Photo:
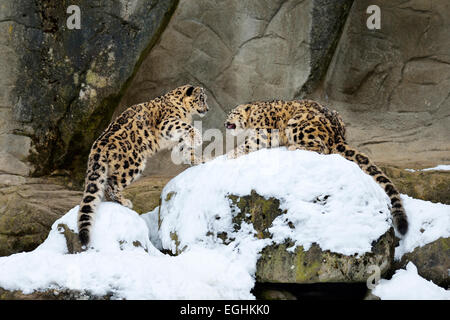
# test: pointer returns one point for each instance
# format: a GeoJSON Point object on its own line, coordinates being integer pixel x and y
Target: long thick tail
{"type": "Point", "coordinates": [96, 177]}
{"type": "Point", "coordinates": [397, 210]}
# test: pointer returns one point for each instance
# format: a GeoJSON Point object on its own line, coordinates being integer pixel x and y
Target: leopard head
{"type": "Point", "coordinates": [193, 99]}
{"type": "Point", "coordinates": [237, 120]}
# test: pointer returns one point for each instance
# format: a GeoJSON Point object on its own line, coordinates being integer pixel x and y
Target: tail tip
{"type": "Point", "coordinates": [84, 237]}
{"type": "Point", "coordinates": [402, 226]}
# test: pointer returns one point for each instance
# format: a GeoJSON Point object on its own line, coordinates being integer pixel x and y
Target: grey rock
{"type": "Point", "coordinates": [313, 265]}
{"type": "Point", "coordinates": [28, 210]}
{"type": "Point", "coordinates": [15, 145]}
{"type": "Point", "coordinates": [240, 51]}
{"type": "Point", "coordinates": [432, 261]}
{"type": "Point", "coordinates": [10, 164]}
{"type": "Point", "coordinates": [30, 206]}
{"type": "Point", "coordinates": [61, 84]}
{"type": "Point", "coordinates": [392, 85]}
{"type": "Point", "coordinates": [10, 179]}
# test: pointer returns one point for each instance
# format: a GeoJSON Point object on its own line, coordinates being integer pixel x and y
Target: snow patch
{"type": "Point", "coordinates": [441, 167]}
{"type": "Point", "coordinates": [409, 285]}
{"type": "Point", "coordinates": [427, 221]}
{"type": "Point", "coordinates": [118, 267]}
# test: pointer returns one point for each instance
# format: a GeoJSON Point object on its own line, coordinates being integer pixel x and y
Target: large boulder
{"type": "Point", "coordinates": [391, 85]}
{"type": "Point", "coordinates": [28, 210]}
{"type": "Point", "coordinates": [60, 86]}
{"type": "Point", "coordinates": [280, 265]}
{"type": "Point", "coordinates": [432, 261]}
{"type": "Point", "coordinates": [299, 214]}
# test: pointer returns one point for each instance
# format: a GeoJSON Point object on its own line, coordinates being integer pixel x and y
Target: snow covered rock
{"type": "Point", "coordinates": [312, 217]}
{"type": "Point", "coordinates": [427, 243]}
{"type": "Point", "coordinates": [432, 261]}
{"type": "Point", "coordinates": [123, 264]}
{"type": "Point", "coordinates": [407, 284]}
{"type": "Point", "coordinates": [286, 263]}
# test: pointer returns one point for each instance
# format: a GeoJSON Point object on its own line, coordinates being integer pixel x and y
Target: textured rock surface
{"type": "Point", "coordinates": [58, 87]}
{"type": "Point", "coordinates": [27, 212]}
{"type": "Point", "coordinates": [145, 193]}
{"type": "Point", "coordinates": [392, 86]}
{"type": "Point", "coordinates": [315, 266]}
{"type": "Point", "coordinates": [49, 295]}
{"type": "Point", "coordinates": [240, 51]}
{"type": "Point", "coordinates": [276, 264]}
{"type": "Point", "coordinates": [432, 261]}
{"type": "Point", "coordinates": [426, 185]}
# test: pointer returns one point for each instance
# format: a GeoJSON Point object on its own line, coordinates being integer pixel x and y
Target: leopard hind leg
{"type": "Point", "coordinates": [301, 136]}
{"type": "Point", "coordinates": [113, 192]}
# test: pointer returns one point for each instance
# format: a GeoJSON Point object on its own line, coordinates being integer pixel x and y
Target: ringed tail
{"type": "Point", "coordinates": [95, 181]}
{"type": "Point", "coordinates": [397, 210]}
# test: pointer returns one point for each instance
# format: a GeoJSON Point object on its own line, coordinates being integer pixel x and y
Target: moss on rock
{"type": "Point", "coordinates": [277, 264]}
{"type": "Point", "coordinates": [426, 185]}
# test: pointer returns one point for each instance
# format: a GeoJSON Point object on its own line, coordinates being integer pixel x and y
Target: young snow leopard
{"type": "Point", "coordinates": [118, 156]}
{"type": "Point", "coordinates": [305, 124]}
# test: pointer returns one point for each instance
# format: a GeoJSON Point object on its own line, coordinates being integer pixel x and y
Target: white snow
{"type": "Point", "coordinates": [441, 167]}
{"type": "Point", "coordinates": [354, 214]}
{"type": "Point", "coordinates": [130, 273]}
{"type": "Point", "coordinates": [409, 285]}
{"type": "Point", "coordinates": [428, 222]}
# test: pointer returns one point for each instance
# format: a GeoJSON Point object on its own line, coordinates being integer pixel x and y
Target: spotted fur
{"type": "Point", "coordinates": [119, 155]}
{"type": "Point", "coordinates": [306, 124]}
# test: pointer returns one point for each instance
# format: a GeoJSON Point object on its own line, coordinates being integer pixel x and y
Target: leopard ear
{"type": "Point", "coordinates": [189, 91]}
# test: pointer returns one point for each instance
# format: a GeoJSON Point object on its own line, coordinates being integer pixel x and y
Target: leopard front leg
{"type": "Point", "coordinates": [255, 140]}
{"type": "Point", "coordinates": [184, 139]}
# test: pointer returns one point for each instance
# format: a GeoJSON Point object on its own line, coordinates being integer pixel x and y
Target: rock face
{"type": "Point", "coordinates": [145, 193]}
{"type": "Point", "coordinates": [27, 212]}
{"type": "Point", "coordinates": [240, 51]}
{"type": "Point", "coordinates": [60, 86]}
{"type": "Point", "coordinates": [49, 295]}
{"type": "Point", "coordinates": [431, 186]}
{"type": "Point", "coordinates": [392, 85]}
{"type": "Point", "coordinates": [314, 265]}
{"type": "Point", "coordinates": [432, 261]}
